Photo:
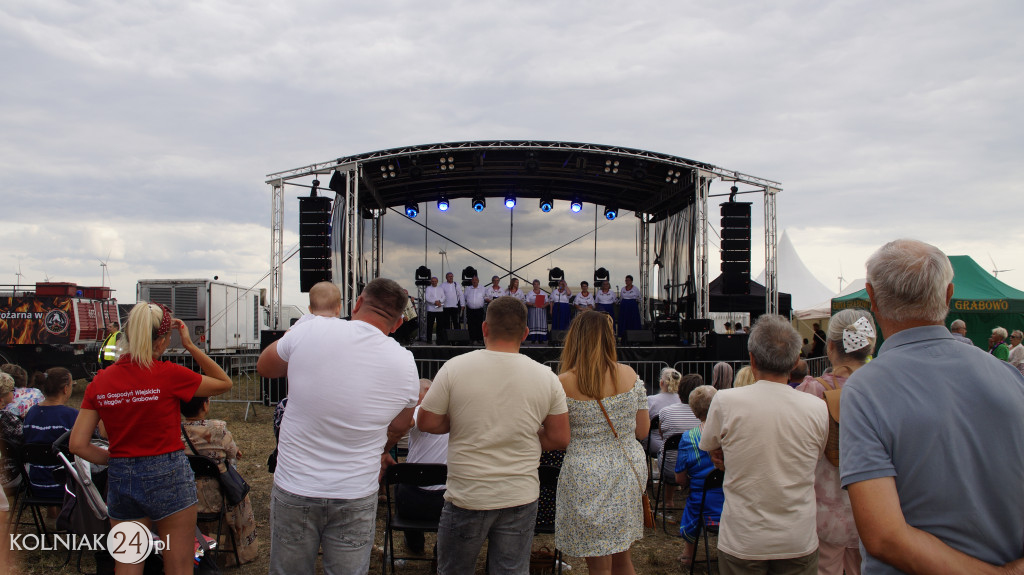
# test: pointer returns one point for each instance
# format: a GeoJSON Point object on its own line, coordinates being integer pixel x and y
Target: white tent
{"type": "Point", "coordinates": [794, 277]}
{"type": "Point", "coordinates": [823, 310]}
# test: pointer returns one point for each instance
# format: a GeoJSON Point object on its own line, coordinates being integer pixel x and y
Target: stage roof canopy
{"type": "Point", "coordinates": [623, 178]}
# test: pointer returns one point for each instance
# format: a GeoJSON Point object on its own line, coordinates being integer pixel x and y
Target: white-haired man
{"type": "Point", "coordinates": [769, 438]}
{"type": "Point", "coordinates": [932, 432]}
{"type": "Point", "coordinates": [959, 330]}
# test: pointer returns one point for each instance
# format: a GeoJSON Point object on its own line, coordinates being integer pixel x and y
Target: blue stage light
{"type": "Point", "coordinates": [412, 210]}
{"type": "Point", "coordinates": [479, 203]}
{"type": "Point", "coordinates": [576, 206]}
{"type": "Point", "coordinates": [611, 213]}
{"type": "Point", "coordinates": [546, 204]}
{"type": "Point", "coordinates": [510, 201]}
{"type": "Point", "coordinates": [442, 204]}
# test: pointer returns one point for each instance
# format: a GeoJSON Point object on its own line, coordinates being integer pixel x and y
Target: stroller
{"type": "Point", "coordinates": [86, 482]}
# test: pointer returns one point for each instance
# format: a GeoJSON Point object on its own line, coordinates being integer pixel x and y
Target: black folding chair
{"type": "Point", "coordinates": [40, 454]}
{"type": "Point", "coordinates": [549, 480]}
{"type": "Point", "coordinates": [714, 480]}
{"type": "Point", "coordinates": [415, 474]}
{"type": "Point", "coordinates": [666, 478]}
{"type": "Point", "coordinates": [204, 467]}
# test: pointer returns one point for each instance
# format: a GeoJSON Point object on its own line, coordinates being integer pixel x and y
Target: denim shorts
{"type": "Point", "coordinates": [154, 486]}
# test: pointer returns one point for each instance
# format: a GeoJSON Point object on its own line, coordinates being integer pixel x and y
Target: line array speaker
{"type": "Point", "coordinates": [314, 241]}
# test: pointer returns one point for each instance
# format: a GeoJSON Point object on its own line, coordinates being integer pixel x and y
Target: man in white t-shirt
{"type": "Point", "coordinates": [351, 394]}
{"type": "Point", "coordinates": [769, 438]}
{"type": "Point", "coordinates": [501, 409]}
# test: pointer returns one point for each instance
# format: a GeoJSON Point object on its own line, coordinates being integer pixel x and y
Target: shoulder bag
{"type": "Point", "coordinates": [832, 394]}
{"type": "Point", "coordinates": [231, 482]}
{"type": "Point", "coordinates": [645, 502]}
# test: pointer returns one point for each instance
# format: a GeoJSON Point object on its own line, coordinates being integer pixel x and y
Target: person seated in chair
{"type": "Point", "coordinates": [212, 439]}
{"type": "Point", "coordinates": [425, 502]}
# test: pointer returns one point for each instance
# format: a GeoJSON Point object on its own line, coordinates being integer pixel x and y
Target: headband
{"type": "Point", "coordinates": [856, 336]}
{"type": "Point", "coordinates": [165, 321]}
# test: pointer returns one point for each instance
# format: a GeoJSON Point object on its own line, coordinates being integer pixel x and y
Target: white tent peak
{"type": "Point", "coordinates": [794, 277]}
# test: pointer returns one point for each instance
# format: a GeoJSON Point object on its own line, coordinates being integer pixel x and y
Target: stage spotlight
{"type": "Point", "coordinates": [546, 204]}
{"type": "Point", "coordinates": [467, 275]}
{"type": "Point", "coordinates": [388, 170]}
{"type": "Point", "coordinates": [422, 276]}
{"type": "Point", "coordinates": [316, 186]}
{"type": "Point", "coordinates": [600, 275]}
{"type": "Point", "coordinates": [576, 206]}
{"type": "Point", "coordinates": [442, 204]}
{"type": "Point", "coordinates": [510, 201]}
{"type": "Point", "coordinates": [611, 213]}
{"type": "Point", "coordinates": [611, 166]}
{"type": "Point", "coordinates": [479, 203]}
{"type": "Point", "coordinates": [412, 210]}
{"type": "Point", "coordinates": [555, 275]}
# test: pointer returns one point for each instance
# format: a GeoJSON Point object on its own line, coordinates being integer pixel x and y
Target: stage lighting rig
{"type": "Point", "coordinates": [611, 213]}
{"type": "Point", "coordinates": [442, 204]}
{"type": "Point", "coordinates": [422, 276]}
{"type": "Point", "coordinates": [600, 275]}
{"type": "Point", "coordinates": [412, 210]}
{"type": "Point", "coordinates": [467, 275]}
{"type": "Point", "coordinates": [546, 204]}
{"type": "Point", "coordinates": [576, 206]}
{"type": "Point", "coordinates": [555, 275]}
{"type": "Point", "coordinates": [510, 201]}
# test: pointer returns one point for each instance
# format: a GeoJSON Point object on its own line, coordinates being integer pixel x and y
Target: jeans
{"type": "Point", "coordinates": [300, 526]}
{"type": "Point", "coordinates": [509, 533]}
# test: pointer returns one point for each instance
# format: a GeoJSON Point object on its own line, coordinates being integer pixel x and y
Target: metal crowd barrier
{"type": "Point", "coordinates": [815, 367]}
{"type": "Point", "coordinates": [240, 367]}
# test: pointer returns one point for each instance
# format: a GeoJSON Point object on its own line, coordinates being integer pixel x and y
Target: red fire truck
{"type": "Point", "coordinates": [55, 325]}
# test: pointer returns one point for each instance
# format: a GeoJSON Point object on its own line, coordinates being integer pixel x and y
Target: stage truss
{"type": "Point", "coordinates": [560, 170]}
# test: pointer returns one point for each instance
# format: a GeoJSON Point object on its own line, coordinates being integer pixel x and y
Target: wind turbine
{"type": "Point", "coordinates": [995, 268]}
{"type": "Point", "coordinates": [444, 259]}
{"type": "Point", "coordinates": [841, 278]}
{"type": "Point", "coordinates": [18, 274]}
{"type": "Point", "coordinates": [103, 265]}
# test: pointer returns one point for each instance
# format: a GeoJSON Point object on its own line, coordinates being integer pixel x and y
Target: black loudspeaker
{"type": "Point", "coordinates": [696, 325]}
{"type": "Point", "coordinates": [666, 330]}
{"type": "Point", "coordinates": [314, 241]}
{"type": "Point", "coordinates": [557, 336]}
{"type": "Point", "coordinates": [735, 247]}
{"type": "Point", "coordinates": [727, 347]}
{"type": "Point", "coordinates": [639, 337]}
{"type": "Point", "coordinates": [272, 390]}
{"type": "Point", "coordinates": [457, 336]}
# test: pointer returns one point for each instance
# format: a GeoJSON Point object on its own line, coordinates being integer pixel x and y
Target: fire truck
{"type": "Point", "coordinates": [55, 325]}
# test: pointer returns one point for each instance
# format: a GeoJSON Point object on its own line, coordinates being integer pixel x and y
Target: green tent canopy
{"type": "Point", "coordinates": [980, 299]}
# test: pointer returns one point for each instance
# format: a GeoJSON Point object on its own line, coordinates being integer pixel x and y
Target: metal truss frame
{"type": "Point", "coordinates": [350, 276]}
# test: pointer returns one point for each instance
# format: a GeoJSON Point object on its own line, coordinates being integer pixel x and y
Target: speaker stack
{"type": "Point", "coordinates": [314, 241]}
{"type": "Point", "coordinates": [735, 248]}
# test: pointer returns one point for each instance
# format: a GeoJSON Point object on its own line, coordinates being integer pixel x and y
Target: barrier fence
{"type": "Point", "coordinates": [240, 367]}
{"type": "Point", "coordinates": [815, 367]}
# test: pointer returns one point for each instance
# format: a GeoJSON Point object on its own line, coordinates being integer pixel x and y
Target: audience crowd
{"type": "Point", "coordinates": [903, 459]}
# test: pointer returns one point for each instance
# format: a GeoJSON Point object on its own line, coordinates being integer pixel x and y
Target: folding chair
{"type": "Point", "coordinates": [714, 480]}
{"type": "Point", "coordinates": [666, 477]}
{"type": "Point", "coordinates": [655, 425]}
{"type": "Point", "coordinates": [204, 467]}
{"type": "Point", "coordinates": [415, 474]}
{"type": "Point", "coordinates": [41, 454]}
{"type": "Point", "coordinates": [549, 479]}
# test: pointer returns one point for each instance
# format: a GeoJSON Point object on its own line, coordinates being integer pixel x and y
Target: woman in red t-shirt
{"type": "Point", "coordinates": [138, 399]}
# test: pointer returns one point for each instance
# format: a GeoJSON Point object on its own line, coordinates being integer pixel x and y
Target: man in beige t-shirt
{"type": "Point", "coordinates": [500, 409]}
{"type": "Point", "coordinates": [769, 438]}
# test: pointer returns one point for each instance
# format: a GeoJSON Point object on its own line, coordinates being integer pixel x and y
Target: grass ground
{"type": "Point", "coordinates": [655, 554]}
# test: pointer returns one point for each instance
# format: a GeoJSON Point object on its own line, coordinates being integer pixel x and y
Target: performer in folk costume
{"type": "Point", "coordinates": [560, 307]}
{"type": "Point", "coordinates": [493, 291]}
{"type": "Point", "coordinates": [629, 307]}
{"type": "Point", "coordinates": [605, 299]}
{"type": "Point", "coordinates": [514, 291]}
{"type": "Point", "coordinates": [583, 300]}
{"type": "Point", "coordinates": [537, 319]}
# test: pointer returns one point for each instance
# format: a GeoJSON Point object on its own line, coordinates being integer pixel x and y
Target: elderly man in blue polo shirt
{"type": "Point", "coordinates": [932, 432]}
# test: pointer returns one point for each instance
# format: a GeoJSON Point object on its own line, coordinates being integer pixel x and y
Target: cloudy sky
{"type": "Point", "coordinates": [140, 133]}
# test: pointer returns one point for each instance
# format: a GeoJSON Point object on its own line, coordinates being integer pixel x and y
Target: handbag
{"type": "Point", "coordinates": [231, 482]}
{"type": "Point", "coordinates": [645, 502]}
{"type": "Point", "coordinates": [832, 395]}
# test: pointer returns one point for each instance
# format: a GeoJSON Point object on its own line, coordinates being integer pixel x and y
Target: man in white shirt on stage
{"type": "Point", "coordinates": [454, 300]}
{"type": "Point", "coordinates": [434, 297]}
{"type": "Point", "coordinates": [474, 296]}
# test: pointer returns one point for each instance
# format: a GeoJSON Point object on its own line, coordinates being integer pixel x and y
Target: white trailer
{"type": "Point", "coordinates": [221, 317]}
